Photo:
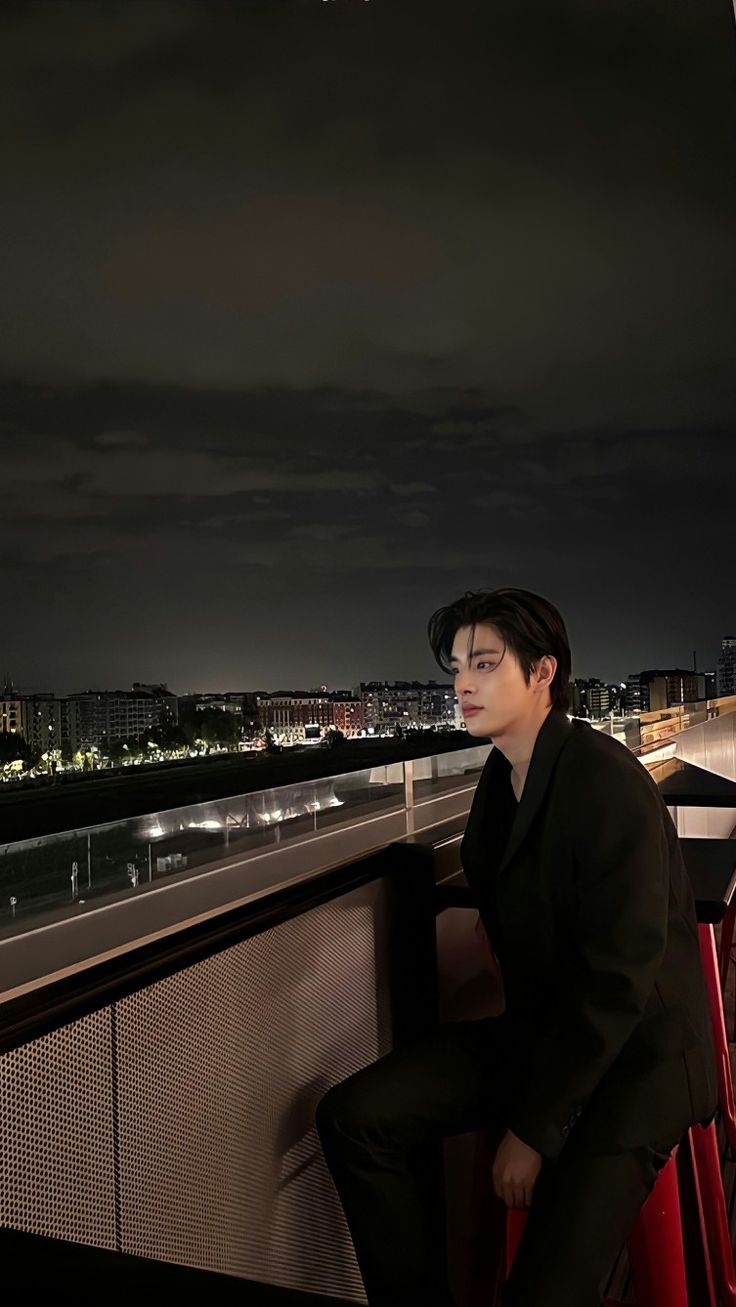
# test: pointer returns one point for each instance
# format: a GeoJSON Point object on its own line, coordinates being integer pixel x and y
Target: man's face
{"type": "Point", "coordinates": [491, 679]}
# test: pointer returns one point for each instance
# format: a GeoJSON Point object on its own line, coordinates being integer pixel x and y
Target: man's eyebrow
{"type": "Point", "coordinates": [475, 654]}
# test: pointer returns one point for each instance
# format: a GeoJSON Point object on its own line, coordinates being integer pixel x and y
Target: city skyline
{"type": "Point", "coordinates": [317, 315]}
{"type": "Point", "coordinates": [13, 687]}
{"type": "Point", "coordinates": [7, 677]}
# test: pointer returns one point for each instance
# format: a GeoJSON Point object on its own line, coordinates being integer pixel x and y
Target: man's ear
{"type": "Point", "coordinates": [548, 683]}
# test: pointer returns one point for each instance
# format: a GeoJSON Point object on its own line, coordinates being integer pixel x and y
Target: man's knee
{"type": "Point", "coordinates": [327, 1111]}
{"type": "Point", "coordinates": [345, 1108]}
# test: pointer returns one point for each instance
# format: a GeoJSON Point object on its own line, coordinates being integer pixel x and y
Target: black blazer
{"type": "Point", "coordinates": [593, 925]}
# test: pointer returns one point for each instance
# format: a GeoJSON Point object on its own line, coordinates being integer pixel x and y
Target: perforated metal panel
{"type": "Point", "coordinates": [220, 1069]}
{"type": "Point", "coordinates": [179, 1124]}
{"type": "Point", "coordinates": [56, 1134]}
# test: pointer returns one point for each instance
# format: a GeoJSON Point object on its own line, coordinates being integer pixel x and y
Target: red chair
{"type": "Point", "coordinates": [724, 952]}
{"type": "Point", "coordinates": [711, 971]}
{"type": "Point", "coordinates": [715, 1216]}
{"type": "Point", "coordinates": [655, 1246]}
{"type": "Point", "coordinates": [705, 1141]}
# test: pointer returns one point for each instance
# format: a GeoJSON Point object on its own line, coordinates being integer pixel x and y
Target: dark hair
{"type": "Point", "coordinates": [528, 624]}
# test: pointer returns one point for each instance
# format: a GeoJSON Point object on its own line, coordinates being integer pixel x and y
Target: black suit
{"type": "Point", "coordinates": [595, 932]}
{"type": "Point", "coordinates": [601, 1060]}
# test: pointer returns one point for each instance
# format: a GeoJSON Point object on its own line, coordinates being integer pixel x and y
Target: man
{"type": "Point", "coordinates": [603, 1056]}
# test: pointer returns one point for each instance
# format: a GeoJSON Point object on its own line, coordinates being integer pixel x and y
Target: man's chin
{"type": "Point", "coordinates": [477, 724]}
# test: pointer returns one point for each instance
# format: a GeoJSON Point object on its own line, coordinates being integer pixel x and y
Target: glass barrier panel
{"type": "Point", "coordinates": [79, 868]}
{"type": "Point", "coordinates": [445, 773]}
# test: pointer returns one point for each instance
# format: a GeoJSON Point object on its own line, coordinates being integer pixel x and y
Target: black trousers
{"type": "Point", "coordinates": [381, 1132]}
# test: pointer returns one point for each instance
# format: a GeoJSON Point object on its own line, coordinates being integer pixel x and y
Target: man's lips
{"type": "Point", "coordinates": [470, 709]}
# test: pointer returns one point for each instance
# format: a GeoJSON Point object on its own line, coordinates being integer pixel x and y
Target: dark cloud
{"type": "Point", "coordinates": [315, 314]}
{"type": "Point", "coordinates": [377, 196]}
{"type": "Point", "coordinates": [143, 547]}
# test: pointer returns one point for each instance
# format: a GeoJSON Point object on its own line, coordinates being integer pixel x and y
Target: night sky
{"type": "Point", "coordinates": [317, 313]}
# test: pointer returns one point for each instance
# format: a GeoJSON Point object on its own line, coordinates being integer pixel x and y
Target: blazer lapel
{"type": "Point", "coordinates": [553, 734]}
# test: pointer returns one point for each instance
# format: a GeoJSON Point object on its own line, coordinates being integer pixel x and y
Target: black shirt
{"type": "Point", "coordinates": [499, 822]}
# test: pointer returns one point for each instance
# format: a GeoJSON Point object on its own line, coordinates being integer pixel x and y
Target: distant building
{"type": "Point", "coordinates": [289, 713]}
{"type": "Point", "coordinates": [97, 717]}
{"type": "Point", "coordinates": [42, 719]}
{"type": "Point", "coordinates": [655, 689]}
{"type": "Point", "coordinates": [240, 703]}
{"type": "Point", "coordinates": [616, 697]}
{"type": "Point", "coordinates": [347, 712]}
{"type": "Point", "coordinates": [47, 723]}
{"type": "Point", "coordinates": [11, 711]}
{"type": "Point", "coordinates": [589, 698]}
{"type": "Point", "coordinates": [632, 694]}
{"type": "Point", "coordinates": [387, 704]}
{"type": "Point", "coordinates": [726, 677]}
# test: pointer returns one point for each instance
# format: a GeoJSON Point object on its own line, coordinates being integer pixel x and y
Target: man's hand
{"type": "Point", "coordinates": [515, 1170]}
